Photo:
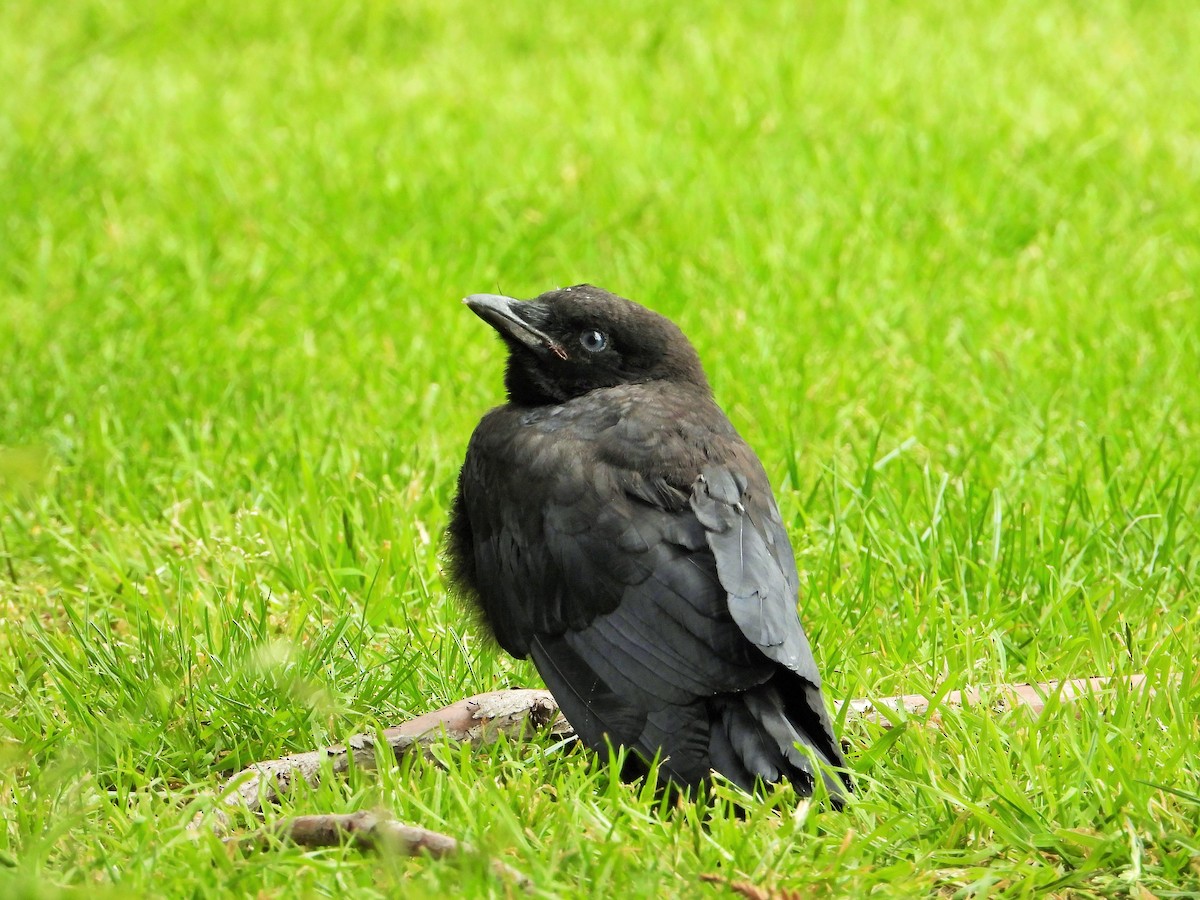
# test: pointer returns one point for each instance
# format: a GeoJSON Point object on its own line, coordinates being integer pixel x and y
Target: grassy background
{"type": "Point", "coordinates": [941, 261]}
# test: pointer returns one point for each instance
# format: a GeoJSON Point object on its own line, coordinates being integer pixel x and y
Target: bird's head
{"type": "Point", "coordinates": [569, 342]}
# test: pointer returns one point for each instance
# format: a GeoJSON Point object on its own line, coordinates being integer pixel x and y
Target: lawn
{"type": "Point", "coordinates": [942, 262]}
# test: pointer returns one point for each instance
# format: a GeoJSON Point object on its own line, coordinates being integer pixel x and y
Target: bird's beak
{"type": "Point", "coordinates": [501, 313]}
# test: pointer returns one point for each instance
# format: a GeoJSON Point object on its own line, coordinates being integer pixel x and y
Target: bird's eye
{"type": "Point", "coordinates": [593, 341]}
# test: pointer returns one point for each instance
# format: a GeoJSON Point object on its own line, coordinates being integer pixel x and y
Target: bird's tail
{"type": "Point", "coordinates": [774, 732]}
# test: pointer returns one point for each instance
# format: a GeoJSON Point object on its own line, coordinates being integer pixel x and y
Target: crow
{"type": "Point", "coordinates": [612, 525]}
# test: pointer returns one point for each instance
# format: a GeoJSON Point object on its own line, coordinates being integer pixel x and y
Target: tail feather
{"type": "Point", "coordinates": [740, 749]}
{"type": "Point", "coordinates": [767, 733]}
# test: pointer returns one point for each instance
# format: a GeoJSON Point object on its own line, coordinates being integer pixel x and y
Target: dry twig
{"type": "Point", "coordinates": [518, 714]}
{"type": "Point", "coordinates": [480, 719]}
{"type": "Point", "coordinates": [371, 831]}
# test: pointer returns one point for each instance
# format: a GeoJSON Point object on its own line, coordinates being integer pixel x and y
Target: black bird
{"type": "Point", "coordinates": [612, 525]}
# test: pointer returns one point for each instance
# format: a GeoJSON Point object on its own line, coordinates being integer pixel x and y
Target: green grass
{"type": "Point", "coordinates": [941, 261]}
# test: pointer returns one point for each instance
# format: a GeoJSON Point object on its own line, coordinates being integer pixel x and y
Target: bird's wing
{"type": "Point", "coordinates": [643, 603]}
{"type": "Point", "coordinates": [754, 563]}
{"type": "Point", "coordinates": [643, 636]}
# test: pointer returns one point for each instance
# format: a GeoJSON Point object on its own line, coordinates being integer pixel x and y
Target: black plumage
{"type": "Point", "coordinates": [612, 525]}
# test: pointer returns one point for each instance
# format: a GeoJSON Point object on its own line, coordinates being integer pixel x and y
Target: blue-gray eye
{"type": "Point", "coordinates": [593, 341]}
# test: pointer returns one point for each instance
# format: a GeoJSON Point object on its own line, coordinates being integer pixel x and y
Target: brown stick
{"type": "Point", "coordinates": [520, 713]}
{"type": "Point", "coordinates": [371, 831]}
{"type": "Point", "coordinates": [476, 720]}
